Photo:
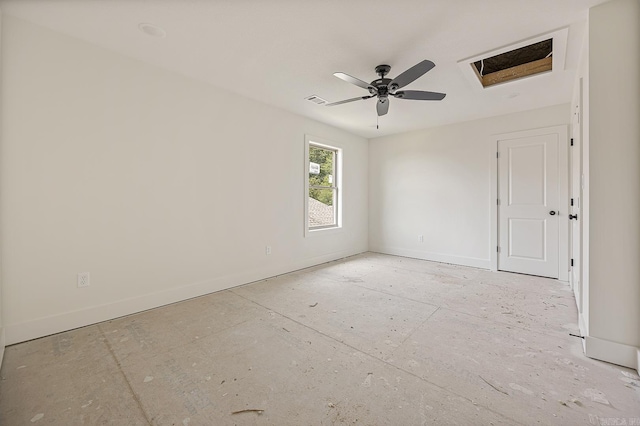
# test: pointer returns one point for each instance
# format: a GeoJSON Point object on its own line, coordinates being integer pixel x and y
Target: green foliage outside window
{"type": "Point", "coordinates": [324, 158]}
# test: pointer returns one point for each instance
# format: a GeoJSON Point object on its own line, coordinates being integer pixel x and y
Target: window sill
{"type": "Point", "coordinates": [323, 231]}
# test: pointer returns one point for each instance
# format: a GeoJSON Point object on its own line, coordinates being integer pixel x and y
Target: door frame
{"type": "Point", "coordinates": [578, 166]}
{"type": "Point", "coordinates": [563, 193]}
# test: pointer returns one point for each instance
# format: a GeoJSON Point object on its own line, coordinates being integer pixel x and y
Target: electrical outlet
{"type": "Point", "coordinates": [267, 250]}
{"type": "Point", "coordinates": [421, 238]}
{"type": "Point", "coordinates": [83, 279]}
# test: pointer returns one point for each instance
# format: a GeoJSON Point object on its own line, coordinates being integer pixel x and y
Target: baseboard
{"type": "Point", "coordinates": [1, 345]}
{"type": "Point", "coordinates": [615, 353]}
{"type": "Point", "coordinates": [435, 257]}
{"type": "Point", "coordinates": [16, 333]}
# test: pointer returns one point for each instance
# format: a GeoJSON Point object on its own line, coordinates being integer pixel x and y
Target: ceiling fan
{"type": "Point", "coordinates": [383, 87]}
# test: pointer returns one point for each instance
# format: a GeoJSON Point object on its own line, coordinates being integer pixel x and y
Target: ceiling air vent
{"type": "Point", "coordinates": [316, 100]}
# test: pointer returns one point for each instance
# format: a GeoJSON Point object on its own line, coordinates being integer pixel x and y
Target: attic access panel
{"type": "Point", "coordinates": [512, 63]}
{"type": "Point", "coordinates": [529, 60]}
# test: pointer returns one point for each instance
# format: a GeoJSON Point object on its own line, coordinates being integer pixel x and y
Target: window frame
{"type": "Point", "coordinates": [336, 186]}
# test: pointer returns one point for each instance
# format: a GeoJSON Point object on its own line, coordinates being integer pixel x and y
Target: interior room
{"type": "Point", "coordinates": [281, 212]}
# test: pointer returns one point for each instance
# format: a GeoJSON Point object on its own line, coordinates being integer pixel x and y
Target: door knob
{"type": "Point", "coordinates": [573, 216]}
{"type": "Point", "coordinates": [552, 213]}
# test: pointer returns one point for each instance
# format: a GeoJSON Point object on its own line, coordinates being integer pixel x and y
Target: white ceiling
{"type": "Point", "coordinates": [280, 51]}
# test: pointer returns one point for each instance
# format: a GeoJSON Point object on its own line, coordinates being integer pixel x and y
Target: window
{"type": "Point", "coordinates": [323, 186]}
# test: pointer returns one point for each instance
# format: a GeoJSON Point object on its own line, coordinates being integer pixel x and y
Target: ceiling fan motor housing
{"type": "Point", "coordinates": [382, 86]}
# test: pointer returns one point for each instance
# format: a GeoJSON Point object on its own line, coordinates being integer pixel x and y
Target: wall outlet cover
{"type": "Point", "coordinates": [83, 279]}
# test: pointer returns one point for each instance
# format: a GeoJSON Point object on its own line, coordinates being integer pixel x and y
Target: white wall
{"type": "Point", "coordinates": [163, 188]}
{"type": "Point", "coordinates": [614, 179]}
{"type": "Point", "coordinates": [437, 183]}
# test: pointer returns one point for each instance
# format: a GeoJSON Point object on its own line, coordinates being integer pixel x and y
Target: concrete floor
{"type": "Point", "coordinates": [371, 340]}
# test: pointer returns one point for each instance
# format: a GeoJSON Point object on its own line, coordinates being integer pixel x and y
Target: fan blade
{"type": "Point", "coordinates": [353, 80]}
{"type": "Point", "coordinates": [359, 98]}
{"type": "Point", "coordinates": [411, 74]}
{"type": "Point", "coordinates": [419, 95]}
{"type": "Point", "coordinates": [382, 107]}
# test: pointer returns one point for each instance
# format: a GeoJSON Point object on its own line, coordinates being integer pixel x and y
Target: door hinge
{"type": "Point", "coordinates": [571, 141]}
{"type": "Point", "coordinates": [498, 201]}
{"type": "Point", "coordinates": [497, 155]}
{"type": "Point", "coordinates": [571, 262]}
{"type": "Point", "coordinates": [572, 201]}
{"type": "Point", "coordinates": [498, 249]}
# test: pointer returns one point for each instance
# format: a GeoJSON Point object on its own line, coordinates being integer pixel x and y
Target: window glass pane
{"type": "Point", "coordinates": [321, 207]}
{"type": "Point", "coordinates": [321, 166]}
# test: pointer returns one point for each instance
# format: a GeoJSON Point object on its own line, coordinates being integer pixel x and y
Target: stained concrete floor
{"type": "Point", "coordinates": [371, 340]}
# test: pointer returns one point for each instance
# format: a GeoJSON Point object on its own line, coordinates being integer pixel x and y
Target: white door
{"type": "Point", "coordinates": [575, 218]}
{"type": "Point", "coordinates": [528, 200]}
